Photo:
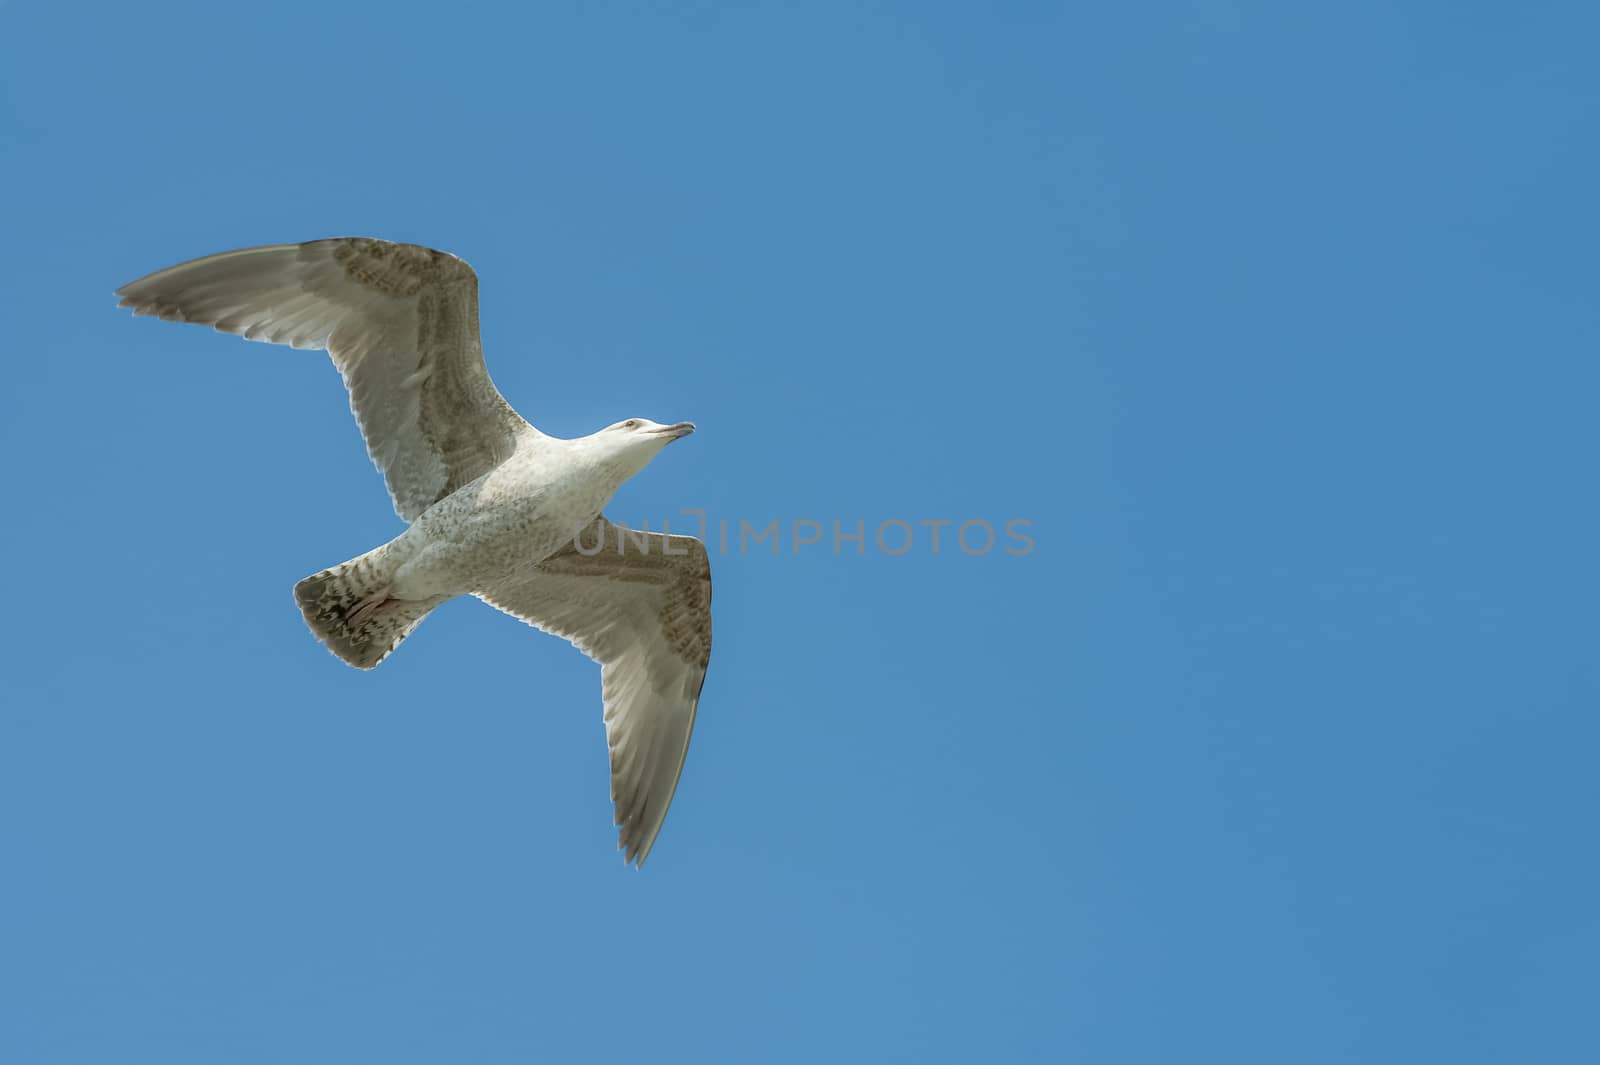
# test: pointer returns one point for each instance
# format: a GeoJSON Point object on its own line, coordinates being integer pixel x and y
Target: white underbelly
{"type": "Point", "coordinates": [485, 532]}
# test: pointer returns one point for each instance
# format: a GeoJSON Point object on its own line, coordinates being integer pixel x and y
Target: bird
{"type": "Point", "coordinates": [494, 508]}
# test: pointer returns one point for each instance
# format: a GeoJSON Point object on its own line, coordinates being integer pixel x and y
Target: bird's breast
{"type": "Point", "coordinates": [508, 520]}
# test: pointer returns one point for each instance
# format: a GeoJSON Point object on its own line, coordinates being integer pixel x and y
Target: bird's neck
{"type": "Point", "coordinates": [604, 467]}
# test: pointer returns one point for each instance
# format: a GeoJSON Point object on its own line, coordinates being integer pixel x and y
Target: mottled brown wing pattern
{"type": "Point", "coordinates": [643, 611]}
{"type": "Point", "coordinates": [400, 322]}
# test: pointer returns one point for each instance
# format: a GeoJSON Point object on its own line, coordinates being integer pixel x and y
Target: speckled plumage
{"type": "Point", "coordinates": [494, 504]}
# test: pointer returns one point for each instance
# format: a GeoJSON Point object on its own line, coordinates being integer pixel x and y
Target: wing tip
{"type": "Point", "coordinates": [634, 852]}
{"type": "Point", "coordinates": [144, 308]}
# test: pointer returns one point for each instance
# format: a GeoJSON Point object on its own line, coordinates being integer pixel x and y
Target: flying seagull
{"type": "Point", "coordinates": [495, 508]}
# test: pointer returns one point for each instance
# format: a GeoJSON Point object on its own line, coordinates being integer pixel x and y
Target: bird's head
{"type": "Point", "coordinates": [633, 443]}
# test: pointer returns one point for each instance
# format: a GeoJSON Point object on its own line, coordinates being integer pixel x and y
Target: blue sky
{"type": "Point", "coordinates": [1275, 321]}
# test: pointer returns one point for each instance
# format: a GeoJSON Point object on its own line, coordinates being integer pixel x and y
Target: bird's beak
{"type": "Point", "coordinates": [672, 432]}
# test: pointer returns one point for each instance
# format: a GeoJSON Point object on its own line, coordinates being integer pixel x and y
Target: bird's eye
{"type": "Point", "coordinates": [631, 423]}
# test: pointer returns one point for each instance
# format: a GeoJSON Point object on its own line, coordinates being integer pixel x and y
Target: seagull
{"type": "Point", "coordinates": [495, 508]}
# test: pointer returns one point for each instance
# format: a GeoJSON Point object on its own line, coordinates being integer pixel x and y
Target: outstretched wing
{"type": "Point", "coordinates": [401, 323]}
{"type": "Point", "coordinates": [641, 607]}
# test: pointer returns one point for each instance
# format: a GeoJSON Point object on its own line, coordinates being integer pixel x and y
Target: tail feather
{"type": "Point", "coordinates": [350, 610]}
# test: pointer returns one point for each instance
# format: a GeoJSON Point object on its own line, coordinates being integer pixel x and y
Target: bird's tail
{"type": "Point", "coordinates": [349, 608]}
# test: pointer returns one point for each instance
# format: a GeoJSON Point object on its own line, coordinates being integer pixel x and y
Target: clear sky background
{"type": "Point", "coordinates": [1276, 322]}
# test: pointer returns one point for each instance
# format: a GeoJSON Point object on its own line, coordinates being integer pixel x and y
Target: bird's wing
{"type": "Point", "coordinates": [401, 322]}
{"type": "Point", "coordinates": [643, 611]}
